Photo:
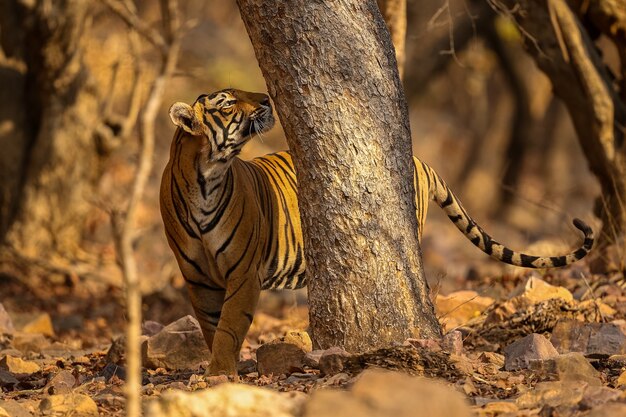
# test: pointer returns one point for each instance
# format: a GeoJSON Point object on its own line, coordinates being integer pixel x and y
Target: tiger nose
{"type": "Point", "coordinates": [265, 101]}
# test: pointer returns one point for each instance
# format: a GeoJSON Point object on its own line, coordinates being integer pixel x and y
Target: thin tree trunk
{"type": "Point", "coordinates": [563, 49]}
{"type": "Point", "coordinates": [394, 12]}
{"type": "Point", "coordinates": [49, 173]}
{"type": "Point", "coordinates": [331, 71]}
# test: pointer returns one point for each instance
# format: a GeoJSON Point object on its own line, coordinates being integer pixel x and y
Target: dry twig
{"type": "Point", "coordinates": [124, 221]}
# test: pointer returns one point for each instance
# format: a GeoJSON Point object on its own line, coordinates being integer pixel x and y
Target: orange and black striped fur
{"type": "Point", "coordinates": [234, 225]}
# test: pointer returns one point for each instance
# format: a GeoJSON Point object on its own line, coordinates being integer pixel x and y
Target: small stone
{"type": "Point", "coordinates": [497, 408]}
{"type": "Point", "coordinates": [553, 394]}
{"type": "Point", "coordinates": [33, 323]}
{"type": "Point", "coordinates": [592, 339]}
{"type": "Point", "coordinates": [29, 342]}
{"type": "Point", "coordinates": [298, 377]}
{"type": "Point", "coordinates": [598, 395]}
{"type": "Point", "coordinates": [279, 358]}
{"type": "Point", "coordinates": [67, 405]}
{"type": "Point", "coordinates": [246, 367]}
{"type": "Point", "coordinates": [621, 380]}
{"type": "Point", "coordinates": [115, 354]}
{"type": "Point", "coordinates": [312, 359]}
{"type": "Point", "coordinates": [14, 409]}
{"type": "Point", "coordinates": [224, 400]}
{"type": "Point", "coordinates": [492, 358]}
{"type": "Point", "coordinates": [18, 366]}
{"type": "Point", "coordinates": [300, 339]}
{"type": "Point", "coordinates": [332, 360]}
{"type": "Point", "coordinates": [180, 345]}
{"type": "Point", "coordinates": [535, 290]}
{"type": "Point", "coordinates": [570, 367]}
{"type": "Point", "coordinates": [431, 344]}
{"type": "Point", "coordinates": [214, 380]}
{"type": "Point", "coordinates": [616, 361]}
{"type": "Point", "coordinates": [382, 393]}
{"type": "Point", "coordinates": [61, 383]}
{"type": "Point", "coordinates": [453, 342]}
{"type": "Point", "coordinates": [337, 379]}
{"type": "Point", "coordinates": [151, 327]}
{"type": "Point", "coordinates": [111, 370]}
{"type": "Point", "coordinates": [613, 409]}
{"type": "Point", "coordinates": [458, 308]}
{"type": "Point", "coordinates": [6, 324]}
{"type": "Point", "coordinates": [532, 347]}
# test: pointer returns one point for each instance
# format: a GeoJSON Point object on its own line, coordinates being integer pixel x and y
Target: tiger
{"type": "Point", "coordinates": [234, 225]}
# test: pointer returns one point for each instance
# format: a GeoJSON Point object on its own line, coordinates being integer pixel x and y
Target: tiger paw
{"type": "Point", "coordinates": [222, 367]}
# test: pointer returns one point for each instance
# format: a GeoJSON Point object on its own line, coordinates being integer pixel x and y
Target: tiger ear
{"type": "Point", "coordinates": [183, 115]}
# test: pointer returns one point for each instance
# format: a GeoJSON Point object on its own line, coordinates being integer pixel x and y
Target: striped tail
{"type": "Point", "coordinates": [445, 198]}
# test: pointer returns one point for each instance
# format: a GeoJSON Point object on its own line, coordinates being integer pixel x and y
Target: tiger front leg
{"type": "Point", "coordinates": [207, 301]}
{"type": "Point", "coordinates": [242, 296]}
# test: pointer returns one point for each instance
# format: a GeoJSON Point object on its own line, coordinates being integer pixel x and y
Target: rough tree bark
{"type": "Point", "coordinates": [50, 160]}
{"type": "Point", "coordinates": [331, 71]}
{"type": "Point", "coordinates": [563, 49]}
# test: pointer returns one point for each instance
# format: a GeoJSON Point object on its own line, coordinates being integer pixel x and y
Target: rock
{"type": "Point", "coordinates": [609, 410]}
{"type": "Point", "coordinates": [616, 361]}
{"type": "Point", "coordinates": [61, 383]}
{"type": "Point", "coordinates": [246, 367]}
{"type": "Point", "coordinates": [497, 408]}
{"type": "Point", "coordinates": [383, 393]}
{"type": "Point", "coordinates": [18, 366]}
{"type": "Point", "coordinates": [180, 345]}
{"type": "Point", "coordinates": [300, 339]}
{"type": "Point", "coordinates": [115, 354]}
{"type": "Point", "coordinates": [29, 342]}
{"type": "Point", "coordinates": [553, 394]}
{"type": "Point", "coordinates": [14, 409]}
{"type": "Point", "coordinates": [453, 342]}
{"type": "Point", "coordinates": [621, 380]}
{"type": "Point", "coordinates": [6, 324]}
{"type": "Point", "coordinates": [535, 290]}
{"type": "Point", "coordinates": [570, 367]}
{"type": "Point", "coordinates": [332, 360]}
{"type": "Point", "coordinates": [492, 358]}
{"type": "Point", "coordinates": [33, 323]}
{"type": "Point", "coordinates": [598, 395]}
{"type": "Point", "coordinates": [532, 347]}
{"type": "Point", "coordinates": [592, 339]}
{"type": "Point", "coordinates": [277, 358]}
{"type": "Point", "coordinates": [151, 327]}
{"type": "Point", "coordinates": [434, 345]}
{"type": "Point", "coordinates": [224, 400]}
{"type": "Point", "coordinates": [68, 405]}
{"type": "Point", "coordinates": [214, 380]}
{"type": "Point", "coordinates": [7, 379]}
{"type": "Point", "coordinates": [312, 358]}
{"type": "Point", "coordinates": [298, 377]}
{"type": "Point", "coordinates": [458, 308]}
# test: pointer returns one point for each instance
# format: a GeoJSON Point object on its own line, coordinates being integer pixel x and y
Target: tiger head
{"type": "Point", "coordinates": [227, 119]}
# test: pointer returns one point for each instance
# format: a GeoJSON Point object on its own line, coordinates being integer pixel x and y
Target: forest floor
{"type": "Point", "coordinates": [551, 345]}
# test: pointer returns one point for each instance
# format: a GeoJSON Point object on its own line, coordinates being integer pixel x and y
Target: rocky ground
{"type": "Point", "coordinates": [554, 345]}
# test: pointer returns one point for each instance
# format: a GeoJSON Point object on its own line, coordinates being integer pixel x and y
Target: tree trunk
{"type": "Point", "coordinates": [332, 73]}
{"type": "Point", "coordinates": [49, 162]}
{"type": "Point", "coordinates": [563, 50]}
